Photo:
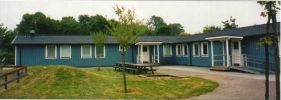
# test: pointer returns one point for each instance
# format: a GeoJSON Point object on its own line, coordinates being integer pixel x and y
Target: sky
{"type": "Point", "coordinates": [192, 15]}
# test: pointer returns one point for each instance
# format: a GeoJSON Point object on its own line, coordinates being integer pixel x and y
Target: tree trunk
{"type": "Point", "coordinates": [124, 70]}
{"type": "Point", "coordinates": [276, 56]}
{"type": "Point", "coordinates": [267, 62]}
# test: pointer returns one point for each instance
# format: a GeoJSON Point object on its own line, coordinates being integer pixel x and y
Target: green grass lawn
{"type": "Point", "coordinates": [71, 82]}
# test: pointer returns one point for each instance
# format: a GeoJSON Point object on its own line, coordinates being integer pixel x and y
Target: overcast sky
{"type": "Point", "coordinates": [193, 15]}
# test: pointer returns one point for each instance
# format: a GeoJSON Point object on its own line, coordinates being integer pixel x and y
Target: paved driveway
{"type": "Point", "coordinates": [232, 85]}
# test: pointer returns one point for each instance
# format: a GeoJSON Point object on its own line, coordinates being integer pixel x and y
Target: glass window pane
{"type": "Point", "coordinates": [205, 48]}
{"type": "Point", "coordinates": [100, 52]}
{"type": "Point", "coordinates": [168, 50]}
{"type": "Point", "coordinates": [86, 53]}
{"type": "Point", "coordinates": [185, 48]}
{"type": "Point", "coordinates": [51, 53]}
{"type": "Point", "coordinates": [65, 51]}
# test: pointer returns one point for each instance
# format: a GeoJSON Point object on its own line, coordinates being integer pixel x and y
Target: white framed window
{"type": "Point", "coordinates": [65, 51]}
{"type": "Point", "coordinates": [196, 49]}
{"type": "Point", "coordinates": [120, 48]}
{"type": "Point", "coordinates": [86, 51]}
{"type": "Point", "coordinates": [179, 50]}
{"type": "Point", "coordinates": [185, 50]}
{"type": "Point", "coordinates": [167, 50]}
{"type": "Point", "coordinates": [100, 52]}
{"type": "Point", "coordinates": [204, 50]}
{"type": "Point", "coordinates": [51, 52]}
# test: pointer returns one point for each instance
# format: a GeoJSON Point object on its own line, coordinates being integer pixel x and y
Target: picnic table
{"type": "Point", "coordinates": [139, 67]}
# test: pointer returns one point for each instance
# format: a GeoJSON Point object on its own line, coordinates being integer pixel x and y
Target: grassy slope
{"type": "Point", "coordinates": [69, 82]}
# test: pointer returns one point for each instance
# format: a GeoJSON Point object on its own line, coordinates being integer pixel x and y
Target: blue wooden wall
{"type": "Point", "coordinates": [35, 55]}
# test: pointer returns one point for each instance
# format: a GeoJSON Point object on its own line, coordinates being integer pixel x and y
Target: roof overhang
{"type": "Point", "coordinates": [224, 38]}
{"type": "Point", "coordinates": [148, 43]}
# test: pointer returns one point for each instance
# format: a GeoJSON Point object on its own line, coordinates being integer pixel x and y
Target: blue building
{"type": "Point", "coordinates": [232, 47]}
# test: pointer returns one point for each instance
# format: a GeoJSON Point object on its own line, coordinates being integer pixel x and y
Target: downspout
{"type": "Point", "coordinates": [20, 55]}
{"type": "Point", "coordinates": [190, 54]}
{"type": "Point", "coordinates": [133, 58]}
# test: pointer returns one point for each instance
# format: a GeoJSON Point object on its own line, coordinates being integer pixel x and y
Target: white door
{"type": "Point", "coordinates": [145, 54]}
{"type": "Point", "coordinates": [235, 53]}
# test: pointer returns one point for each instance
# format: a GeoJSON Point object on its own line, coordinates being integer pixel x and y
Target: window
{"type": "Point", "coordinates": [86, 51]}
{"type": "Point", "coordinates": [204, 50]}
{"type": "Point", "coordinates": [51, 52]}
{"type": "Point", "coordinates": [196, 49]}
{"type": "Point", "coordinates": [120, 48]}
{"type": "Point", "coordinates": [65, 51]}
{"type": "Point", "coordinates": [100, 52]}
{"type": "Point", "coordinates": [179, 50]}
{"type": "Point", "coordinates": [235, 45]}
{"type": "Point", "coordinates": [167, 49]}
{"type": "Point", "coordinates": [185, 49]}
{"type": "Point", "coordinates": [144, 49]}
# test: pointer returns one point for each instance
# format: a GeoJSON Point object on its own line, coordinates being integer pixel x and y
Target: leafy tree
{"type": "Point", "coordinates": [99, 39]}
{"type": "Point", "coordinates": [6, 37]}
{"type": "Point", "coordinates": [270, 10]}
{"type": "Point", "coordinates": [211, 28]}
{"type": "Point", "coordinates": [176, 28]}
{"type": "Point", "coordinates": [168, 30]}
{"type": "Point", "coordinates": [155, 22]}
{"type": "Point", "coordinates": [70, 26]}
{"type": "Point", "coordinates": [126, 32]}
{"type": "Point", "coordinates": [184, 34]}
{"type": "Point", "coordinates": [84, 21]}
{"type": "Point", "coordinates": [229, 24]}
{"type": "Point", "coordinates": [31, 22]}
{"type": "Point", "coordinates": [99, 23]}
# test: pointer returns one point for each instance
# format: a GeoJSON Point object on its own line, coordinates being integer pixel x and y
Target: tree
{"type": "Point", "coordinates": [211, 28]}
{"type": "Point", "coordinates": [270, 10]}
{"type": "Point", "coordinates": [229, 24]}
{"type": "Point", "coordinates": [176, 28]}
{"type": "Point", "coordinates": [126, 32]}
{"type": "Point", "coordinates": [99, 23]}
{"type": "Point", "coordinates": [31, 22]}
{"type": "Point", "coordinates": [6, 37]}
{"type": "Point", "coordinates": [155, 22]}
{"type": "Point", "coordinates": [99, 38]}
{"type": "Point", "coordinates": [84, 21]}
{"type": "Point", "coordinates": [70, 26]}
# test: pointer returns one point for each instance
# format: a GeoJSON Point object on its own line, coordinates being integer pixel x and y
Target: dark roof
{"type": "Point", "coordinates": [46, 39]}
{"type": "Point", "coordinates": [80, 39]}
{"type": "Point", "coordinates": [243, 31]}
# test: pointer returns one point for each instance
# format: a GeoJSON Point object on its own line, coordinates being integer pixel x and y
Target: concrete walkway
{"type": "Point", "coordinates": [232, 85]}
{"type": "Point", "coordinates": [206, 70]}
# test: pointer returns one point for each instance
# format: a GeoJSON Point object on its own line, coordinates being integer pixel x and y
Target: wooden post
{"type": "Point", "coordinates": [18, 76]}
{"type": "Point", "coordinates": [6, 83]}
{"type": "Point", "coordinates": [158, 60]}
{"type": "Point", "coordinates": [212, 53]}
{"type": "Point", "coordinates": [227, 54]}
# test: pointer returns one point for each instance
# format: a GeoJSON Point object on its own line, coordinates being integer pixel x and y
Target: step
{"type": "Point", "coordinates": [219, 68]}
{"type": "Point", "coordinates": [245, 69]}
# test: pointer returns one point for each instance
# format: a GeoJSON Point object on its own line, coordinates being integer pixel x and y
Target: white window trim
{"type": "Point", "coordinates": [202, 51]}
{"type": "Point", "coordinates": [177, 48]}
{"type": "Point", "coordinates": [194, 49]}
{"type": "Point", "coordinates": [82, 52]}
{"type": "Point", "coordinates": [61, 51]}
{"type": "Point", "coordinates": [46, 52]}
{"type": "Point", "coordinates": [103, 52]}
{"type": "Point", "coordinates": [120, 48]}
{"type": "Point", "coordinates": [183, 50]}
{"type": "Point", "coordinates": [171, 52]}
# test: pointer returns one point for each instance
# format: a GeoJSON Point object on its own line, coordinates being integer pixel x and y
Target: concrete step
{"type": "Point", "coordinates": [219, 68]}
{"type": "Point", "coordinates": [246, 69]}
